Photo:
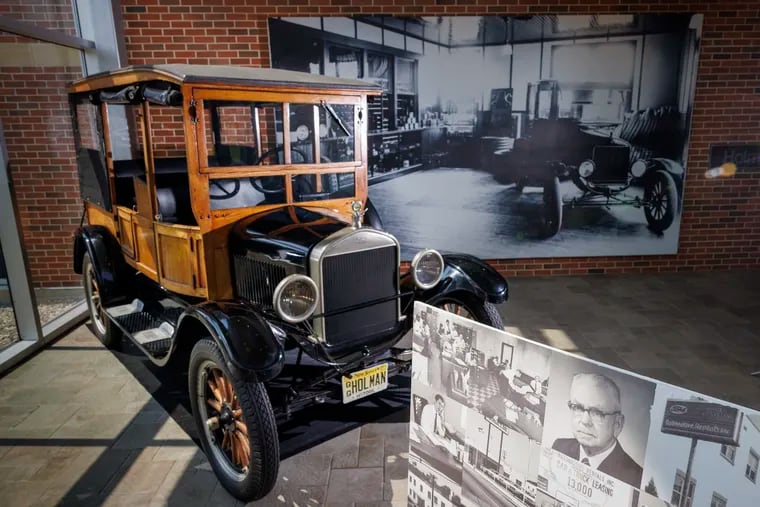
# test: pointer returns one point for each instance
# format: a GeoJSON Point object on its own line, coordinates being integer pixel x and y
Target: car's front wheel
{"type": "Point", "coordinates": [552, 210]}
{"type": "Point", "coordinates": [660, 201]}
{"type": "Point", "coordinates": [485, 313]}
{"type": "Point", "coordinates": [236, 424]}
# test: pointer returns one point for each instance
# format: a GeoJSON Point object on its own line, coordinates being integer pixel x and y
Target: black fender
{"type": "Point", "coordinates": [252, 349]}
{"type": "Point", "coordinates": [107, 259]}
{"type": "Point", "coordinates": [462, 273]}
{"type": "Point", "coordinates": [372, 217]}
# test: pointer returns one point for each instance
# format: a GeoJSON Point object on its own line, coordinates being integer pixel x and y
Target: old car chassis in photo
{"type": "Point", "coordinates": [227, 225]}
{"type": "Point", "coordinates": [630, 165]}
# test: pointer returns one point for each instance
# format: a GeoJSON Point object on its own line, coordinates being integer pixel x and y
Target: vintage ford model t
{"type": "Point", "coordinates": [633, 163]}
{"type": "Point", "coordinates": [228, 226]}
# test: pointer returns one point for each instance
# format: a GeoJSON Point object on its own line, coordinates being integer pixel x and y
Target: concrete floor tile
{"type": "Point", "coordinates": [221, 498]}
{"type": "Point", "coordinates": [82, 425]}
{"type": "Point", "coordinates": [128, 500]}
{"type": "Point", "coordinates": [38, 395]}
{"type": "Point", "coordinates": [17, 472]}
{"type": "Point", "coordinates": [20, 493]}
{"type": "Point", "coordinates": [11, 420]}
{"type": "Point", "coordinates": [137, 436]}
{"type": "Point", "coordinates": [371, 452]}
{"type": "Point", "coordinates": [344, 449]}
{"type": "Point", "coordinates": [284, 495]}
{"type": "Point", "coordinates": [23, 433]}
{"type": "Point", "coordinates": [142, 478]}
{"type": "Point", "coordinates": [47, 415]}
{"type": "Point", "coordinates": [191, 489]}
{"type": "Point", "coordinates": [306, 469]}
{"type": "Point", "coordinates": [381, 429]}
{"type": "Point", "coordinates": [346, 459]}
{"type": "Point", "coordinates": [101, 391]}
{"type": "Point", "coordinates": [183, 453]}
{"type": "Point", "coordinates": [384, 503]}
{"type": "Point", "coordinates": [395, 477]}
{"type": "Point", "coordinates": [355, 485]}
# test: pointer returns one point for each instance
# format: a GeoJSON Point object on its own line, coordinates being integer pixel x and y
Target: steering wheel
{"type": "Point", "coordinates": [271, 185]}
{"type": "Point", "coordinates": [302, 187]}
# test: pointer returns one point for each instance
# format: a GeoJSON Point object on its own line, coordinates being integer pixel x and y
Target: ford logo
{"type": "Point", "coordinates": [678, 409]}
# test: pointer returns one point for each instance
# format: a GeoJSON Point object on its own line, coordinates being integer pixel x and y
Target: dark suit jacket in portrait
{"type": "Point", "coordinates": [618, 464]}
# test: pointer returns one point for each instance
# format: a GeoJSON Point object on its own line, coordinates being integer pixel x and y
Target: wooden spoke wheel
{"type": "Point", "coordinates": [485, 313]}
{"type": "Point", "coordinates": [457, 309]}
{"type": "Point", "coordinates": [236, 424]}
{"type": "Point", "coordinates": [225, 418]}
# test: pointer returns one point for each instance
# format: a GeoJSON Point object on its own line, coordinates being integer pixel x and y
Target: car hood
{"type": "Point", "coordinates": [286, 233]}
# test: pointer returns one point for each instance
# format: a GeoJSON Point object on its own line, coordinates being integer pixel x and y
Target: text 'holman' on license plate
{"type": "Point", "coordinates": [365, 382]}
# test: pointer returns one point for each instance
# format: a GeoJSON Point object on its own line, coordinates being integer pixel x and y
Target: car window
{"type": "Point", "coordinates": [239, 133]}
{"type": "Point", "coordinates": [228, 193]}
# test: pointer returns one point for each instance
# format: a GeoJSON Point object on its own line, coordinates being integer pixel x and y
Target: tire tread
{"type": "Point", "coordinates": [259, 418]}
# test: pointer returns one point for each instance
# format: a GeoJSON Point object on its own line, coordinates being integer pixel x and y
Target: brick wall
{"type": "Point", "coordinates": [36, 122]}
{"type": "Point", "coordinates": [37, 126]}
{"type": "Point", "coordinates": [720, 225]}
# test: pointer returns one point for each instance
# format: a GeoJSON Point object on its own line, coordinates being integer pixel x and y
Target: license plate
{"type": "Point", "coordinates": [365, 382]}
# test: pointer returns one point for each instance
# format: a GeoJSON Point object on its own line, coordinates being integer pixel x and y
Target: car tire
{"type": "Point", "coordinates": [244, 448]}
{"type": "Point", "coordinates": [552, 210]}
{"type": "Point", "coordinates": [485, 313]}
{"type": "Point", "coordinates": [660, 201]}
{"type": "Point", "coordinates": [107, 332]}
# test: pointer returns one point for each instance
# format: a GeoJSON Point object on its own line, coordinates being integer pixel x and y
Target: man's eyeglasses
{"type": "Point", "coordinates": [595, 414]}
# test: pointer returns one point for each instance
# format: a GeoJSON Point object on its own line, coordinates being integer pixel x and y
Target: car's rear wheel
{"type": "Point", "coordinates": [106, 331]}
{"type": "Point", "coordinates": [236, 424]}
{"type": "Point", "coordinates": [660, 201]}
{"type": "Point", "coordinates": [552, 210]}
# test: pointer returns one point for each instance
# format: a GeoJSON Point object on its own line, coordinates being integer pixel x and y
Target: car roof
{"type": "Point", "coordinates": [218, 74]}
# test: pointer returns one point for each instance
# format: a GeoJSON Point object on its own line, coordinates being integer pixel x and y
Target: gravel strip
{"type": "Point", "coordinates": [8, 334]}
{"type": "Point", "coordinates": [47, 310]}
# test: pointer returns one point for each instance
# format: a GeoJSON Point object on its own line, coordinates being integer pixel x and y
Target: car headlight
{"type": "Point", "coordinates": [295, 298]}
{"type": "Point", "coordinates": [586, 169]}
{"type": "Point", "coordinates": [638, 168]}
{"type": "Point", "coordinates": [427, 268]}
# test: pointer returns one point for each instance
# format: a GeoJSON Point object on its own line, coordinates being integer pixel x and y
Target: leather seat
{"type": "Point", "coordinates": [174, 205]}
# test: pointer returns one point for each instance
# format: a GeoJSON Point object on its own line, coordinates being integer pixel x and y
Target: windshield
{"type": "Point", "coordinates": [250, 161]}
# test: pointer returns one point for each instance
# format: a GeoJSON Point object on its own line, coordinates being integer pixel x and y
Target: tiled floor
{"type": "Point", "coordinates": [75, 424]}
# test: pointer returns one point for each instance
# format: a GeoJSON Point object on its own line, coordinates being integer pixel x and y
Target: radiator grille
{"type": "Point", "coordinates": [354, 279]}
{"type": "Point", "coordinates": [257, 279]}
{"type": "Point", "coordinates": [611, 164]}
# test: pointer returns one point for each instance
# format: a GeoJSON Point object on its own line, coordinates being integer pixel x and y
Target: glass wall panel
{"type": "Point", "coordinates": [8, 330]}
{"type": "Point", "coordinates": [36, 120]}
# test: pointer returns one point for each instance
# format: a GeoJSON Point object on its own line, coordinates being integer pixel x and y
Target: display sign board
{"type": "Point", "coordinates": [498, 419]}
{"type": "Point", "coordinates": [702, 420]}
{"type": "Point", "coordinates": [745, 156]}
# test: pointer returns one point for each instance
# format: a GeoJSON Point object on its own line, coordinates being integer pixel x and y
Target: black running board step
{"type": "Point", "coordinates": [152, 334]}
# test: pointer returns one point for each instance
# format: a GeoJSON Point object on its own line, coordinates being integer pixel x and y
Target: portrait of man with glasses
{"type": "Point", "coordinates": [597, 420]}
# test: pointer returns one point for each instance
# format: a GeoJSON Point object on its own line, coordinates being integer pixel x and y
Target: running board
{"type": "Point", "coordinates": [150, 326]}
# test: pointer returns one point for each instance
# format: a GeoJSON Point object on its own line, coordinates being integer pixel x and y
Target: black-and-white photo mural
{"type": "Point", "coordinates": [501, 420]}
{"type": "Point", "coordinates": [513, 137]}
